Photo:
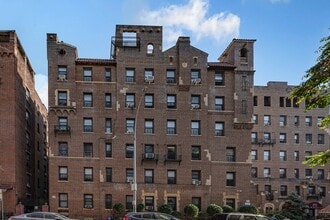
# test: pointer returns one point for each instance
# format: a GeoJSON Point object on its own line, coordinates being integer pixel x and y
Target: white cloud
{"type": "Point", "coordinates": [192, 17]}
{"type": "Point", "coordinates": [41, 85]}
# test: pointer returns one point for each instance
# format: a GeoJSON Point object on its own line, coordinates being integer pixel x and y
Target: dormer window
{"type": "Point", "coordinates": [244, 54]}
{"type": "Point", "coordinates": [150, 48]}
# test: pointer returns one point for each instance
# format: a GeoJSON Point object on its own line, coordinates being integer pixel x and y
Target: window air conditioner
{"type": "Point", "coordinates": [149, 155]}
{"type": "Point", "coordinates": [129, 179]}
{"type": "Point", "coordinates": [149, 79]}
{"type": "Point", "coordinates": [195, 106]}
{"type": "Point", "coordinates": [61, 77]}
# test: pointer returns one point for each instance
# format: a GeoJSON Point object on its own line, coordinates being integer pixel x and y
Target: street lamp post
{"type": "Point", "coordinates": [134, 184]}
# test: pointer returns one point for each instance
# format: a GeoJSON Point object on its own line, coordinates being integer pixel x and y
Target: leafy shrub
{"type": "Point", "coordinates": [227, 209]}
{"type": "Point", "coordinates": [191, 210]}
{"type": "Point", "coordinates": [213, 209]}
{"type": "Point", "coordinates": [248, 209]}
{"type": "Point", "coordinates": [118, 209]}
{"type": "Point", "coordinates": [140, 207]}
{"type": "Point", "coordinates": [164, 208]}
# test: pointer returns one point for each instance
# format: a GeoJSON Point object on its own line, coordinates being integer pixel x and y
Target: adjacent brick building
{"type": "Point", "coordinates": [191, 121]}
{"type": "Point", "coordinates": [283, 134]}
{"type": "Point", "coordinates": [23, 139]}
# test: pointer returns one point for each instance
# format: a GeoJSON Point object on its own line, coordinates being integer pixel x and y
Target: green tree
{"type": "Point", "coordinates": [315, 91]}
{"type": "Point", "coordinates": [213, 209]}
{"type": "Point", "coordinates": [191, 210]}
{"type": "Point", "coordinates": [249, 209]}
{"type": "Point", "coordinates": [294, 207]}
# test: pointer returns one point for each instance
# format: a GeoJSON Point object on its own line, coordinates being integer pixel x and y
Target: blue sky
{"type": "Point", "coordinates": [288, 32]}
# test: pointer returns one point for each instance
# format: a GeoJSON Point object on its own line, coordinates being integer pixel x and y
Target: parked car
{"type": "Point", "coordinates": [148, 215]}
{"type": "Point", "coordinates": [39, 215]}
{"type": "Point", "coordinates": [239, 216]}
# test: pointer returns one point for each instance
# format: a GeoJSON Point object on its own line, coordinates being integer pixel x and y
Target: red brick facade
{"type": "Point", "coordinates": [23, 139]}
{"type": "Point", "coordinates": [194, 120]}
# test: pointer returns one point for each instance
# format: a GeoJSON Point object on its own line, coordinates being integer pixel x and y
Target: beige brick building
{"type": "Point", "coordinates": [191, 121]}
{"type": "Point", "coordinates": [281, 138]}
{"type": "Point", "coordinates": [23, 139]}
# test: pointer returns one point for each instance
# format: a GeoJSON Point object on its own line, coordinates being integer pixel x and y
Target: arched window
{"type": "Point", "coordinates": [150, 49]}
{"type": "Point", "coordinates": [244, 55]}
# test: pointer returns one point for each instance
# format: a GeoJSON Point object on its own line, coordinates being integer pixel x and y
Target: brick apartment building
{"type": "Point", "coordinates": [190, 121]}
{"type": "Point", "coordinates": [23, 139]}
{"type": "Point", "coordinates": [282, 136]}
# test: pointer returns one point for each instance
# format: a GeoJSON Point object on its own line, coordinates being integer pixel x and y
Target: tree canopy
{"type": "Point", "coordinates": [315, 91]}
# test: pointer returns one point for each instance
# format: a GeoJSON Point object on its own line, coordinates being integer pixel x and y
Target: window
{"type": "Point", "coordinates": [322, 191]}
{"type": "Point", "coordinates": [107, 74]}
{"type": "Point", "coordinates": [283, 190]}
{"type": "Point", "coordinates": [63, 149]}
{"type": "Point", "coordinates": [108, 125]}
{"type": "Point", "coordinates": [219, 129]}
{"type": "Point", "coordinates": [319, 119]}
{"type": "Point", "coordinates": [266, 154]}
{"type": "Point", "coordinates": [267, 137]}
{"type": "Point", "coordinates": [308, 138]}
{"type": "Point", "coordinates": [254, 137]}
{"type": "Point", "coordinates": [171, 126]}
{"type": "Point", "coordinates": [62, 73]}
{"type": "Point", "coordinates": [63, 200]}
{"type": "Point", "coordinates": [149, 176]}
{"type": "Point", "coordinates": [149, 203]}
{"type": "Point", "coordinates": [219, 103]}
{"type": "Point", "coordinates": [129, 150]}
{"type": "Point", "coordinates": [129, 175]}
{"type": "Point", "coordinates": [296, 173]}
{"type": "Point", "coordinates": [88, 149]}
{"type": "Point", "coordinates": [63, 124]}
{"type": "Point", "coordinates": [88, 100]}
{"type": "Point", "coordinates": [307, 154]}
{"type": "Point", "coordinates": [282, 138]}
{"type": "Point", "coordinates": [268, 189]}
{"type": "Point", "coordinates": [108, 174]}
{"type": "Point", "coordinates": [88, 174]}
{"type": "Point", "coordinates": [87, 74]}
{"type": "Point", "coordinates": [171, 101]}
{"type": "Point", "coordinates": [282, 120]}
{"type": "Point", "coordinates": [195, 153]}
{"type": "Point", "coordinates": [171, 152]}
{"type": "Point", "coordinates": [88, 125]}
{"type": "Point", "coordinates": [197, 201]}
{"type": "Point", "coordinates": [230, 154]}
{"type": "Point", "coordinates": [108, 100]}
{"type": "Point", "coordinates": [129, 202]}
{"type": "Point", "coordinates": [130, 125]}
{"type": "Point", "coordinates": [108, 201]}
{"type": "Point", "coordinates": [296, 120]}
{"type": "Point", "coordinates": [149, 75]}
{"type": "Point", "coordinates": [150, 48]}
{"type": "Point", "coordinates": [231, 203]}
{"type": "Point", "coordinates": [254, 155]}
{"type": "Point", "coordinates": [267, 172]}
{"type": "Point", "coordinates": [62, 98]}
{"type": "Point", "coordinates": [130, 75]}
{"type": "Point", "coordinates": [244, 107]}
{"type": "Point", "coordinates": [267, 120]}
{"type": "Point", "coordinates": [255, 100]}
{"type": "Point", "coordinates": [296, 155]}
{"type": "Point", "coordinates": [320, 138]}
{"type": "Point", "coordinates": [195, 77]}
{"type": "Point", "coordinates": [296, 138]}
{"type": "Point", "coordinates": [171, 202]}
{"type": "Point", "coordinates": [149, 126]}
{"type": "Point", "coordinates": [219, 78]}
{"type": "Point", "coordinates": [195, 128]}
{"type": "Point", "coordinates": [308, 173]}
{"type": "Point", "coordinates": [295, 103]}
{"type": "Point", "coordinates": [282, 101]}
{"type": "Point", "coordinates": [255, 118]}
{"type": "Point", "coordinates": [170, 76]}
{"type": "Point", "coordinates": [195, 102]}
{"type": "Point", "coordinates": [230, 179]}
{"type": "Point", "coordinates": [88, 201]}
{"type": "Point", "coordinates": [320, 174]}
{"type": "Point", "coordinates": [196, 177]}
{"type": "Point", "coordinates": [149, 101]}
{"type": "Point", "coordinates": [63, 173]}
{"type": "Point", "coordinates": [308, 121]}
{"type": "Point", "coordinates": [130, 100]}
{"type": "Point", "coordinates": [149, 148]}
{"type": "Point", "coordinates": [171, 177]}
{"type": "Point", "coordinates": [254, 172]}
{"type": "Point", "coordinates": [287, 102]}
{"type": "Point", "coordinates": [267, 101]}
{"type": "Point", "coordinates": [108, 150]}
{"type": "Point", "coordinates": [282, 172]}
